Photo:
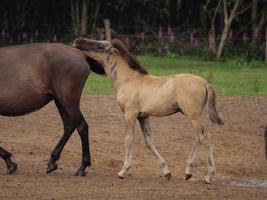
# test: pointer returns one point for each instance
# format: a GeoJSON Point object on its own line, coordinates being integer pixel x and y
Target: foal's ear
{"type": "Point", "coordinates": [113, 50]}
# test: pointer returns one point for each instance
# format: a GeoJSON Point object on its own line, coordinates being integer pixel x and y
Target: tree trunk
{"type": "Point", "coordinates": [228, 19]}
{"type": "Point", "coordinates": [84, 17]}
{"type": "Point", "coordinates": [107, 29]}
{"type": "Point", "coordinates": [173, 12]}
{"type": "Point", "coordinates": [73, 18]}
{"type": "Point", "coordinates": [212, 39]}
{"type": "Point", "coordinates": [77, 12]}
{"type": "Point", "coordinates": [95, 16]}
{"type": "Point", "coordinates": [254, 10]}
{"type": "Point", "coordinates": [222, 42]}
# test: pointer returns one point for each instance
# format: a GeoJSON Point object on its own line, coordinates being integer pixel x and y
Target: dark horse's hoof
{"type": "Point", "coordinates": [51, 167]}
{"type": "Point", "coordinates": [80, 173]}
{"type": "Point", "coordinates": [188, 176]}
{"type": "Point", "coordinates": [11, 168]}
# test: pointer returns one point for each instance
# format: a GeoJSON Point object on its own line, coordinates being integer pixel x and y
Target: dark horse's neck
{"type": "Point", "coordinates": [95, 66]}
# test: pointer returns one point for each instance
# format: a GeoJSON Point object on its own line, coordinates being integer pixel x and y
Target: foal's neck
{"type": "Point", "coordinates": [120, 73]}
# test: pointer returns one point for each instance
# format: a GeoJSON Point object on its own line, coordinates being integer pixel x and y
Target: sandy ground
{"type": "Point", "coordinates": [238, 150]}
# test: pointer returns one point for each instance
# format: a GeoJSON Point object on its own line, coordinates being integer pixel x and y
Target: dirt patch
{"type": "Point", "coordinates": [238, 150]}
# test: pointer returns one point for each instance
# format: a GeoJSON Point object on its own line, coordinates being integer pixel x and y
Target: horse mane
{"type": "Point", "coordinates": [128, 56]}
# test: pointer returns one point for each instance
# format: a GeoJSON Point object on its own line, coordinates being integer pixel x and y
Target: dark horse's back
{"type": "Point", "coordinates": [32, 75]}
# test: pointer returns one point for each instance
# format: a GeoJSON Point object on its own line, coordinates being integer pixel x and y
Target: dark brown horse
{"type": "Point", "coordinates": [33, 75]}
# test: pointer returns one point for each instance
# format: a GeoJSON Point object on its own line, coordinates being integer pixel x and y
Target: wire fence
{"type": "Point", "coordinates": [157, 40]}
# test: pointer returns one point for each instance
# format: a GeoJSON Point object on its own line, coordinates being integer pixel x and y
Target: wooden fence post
{"type": "Point", "coordinates": [107, 29]}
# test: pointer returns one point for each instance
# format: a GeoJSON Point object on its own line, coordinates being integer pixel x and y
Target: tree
{"type": "Point", "coordinates": [212, 31]}
{"type": "Point", "coordinates": [79, 9]}
{"type": "Point", "coordinates": [229, 16]}
{"type": "Point", "coordinates": [84, 17]}
{"type": "Point", "coordinates": [254, 10]}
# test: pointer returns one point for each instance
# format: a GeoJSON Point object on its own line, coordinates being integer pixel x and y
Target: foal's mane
{"type": "Point", "coordinates": [128, 56]}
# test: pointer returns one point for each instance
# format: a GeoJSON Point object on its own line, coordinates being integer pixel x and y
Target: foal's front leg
{"type": "Point", "coordinates": [130, 119]}
{"type": "Point", "coordinates": [145, 126]}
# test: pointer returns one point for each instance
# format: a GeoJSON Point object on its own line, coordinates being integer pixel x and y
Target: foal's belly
{"type": "Point", "coordinates": [22, 105]}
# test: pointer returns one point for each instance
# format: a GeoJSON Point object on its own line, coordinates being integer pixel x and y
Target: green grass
{"type": "Point", "coordinates": [232, 77]}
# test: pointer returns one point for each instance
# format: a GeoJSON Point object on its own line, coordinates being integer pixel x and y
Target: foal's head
{"type": "Point", "coordinates": [101, 51]}
{"type": "Point", "coordinates": [104, 51]}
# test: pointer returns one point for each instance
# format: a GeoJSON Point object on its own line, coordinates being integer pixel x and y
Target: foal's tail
{"type": "Point", "coordinates": [211, 103]}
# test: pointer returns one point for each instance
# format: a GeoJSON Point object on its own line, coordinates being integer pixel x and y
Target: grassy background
{"type": "Point", "coordinates": [231, 77]}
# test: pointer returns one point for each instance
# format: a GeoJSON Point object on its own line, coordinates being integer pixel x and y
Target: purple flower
{"type": "Point", "coordinates": [192, 39]}
{"type": "Point", "coordinates": [172, 37]}
{"type": "Point", "coordinates": [169, 30]}
{"type": "Point", "coordinates": [211, 42]}
{"type": "Point", "coordinates": [245, 38]}
{"type": "Point", "coordinates": [255, 37]}
{"type": "Point", "coordinates": [18, 37]}
{"type": "Point", "coordinates": [31, 39]}
{"type": "Point", "coordinates": [54, 38]}
{"type": "Point", "coordinates": [127, 40]}
{"type": "Point", "coordinates": [36, 33]}
{"type": "Point", "coordinates": [24, 36]}
{"type": "Point", "coordinates": [7, 35]}
{"type": "Point", "coordinates": [230, 35]}
{"type": "Point", "coordinates": [160, 34]}
{"type": "Point", "coordinates": [166, 46]}
{"type": "Point", "coordinates": [3, 34]}
{"type": "Point", "coordinates": [142, 35]}
{"type": "Point", "coordinates": [195, 42]}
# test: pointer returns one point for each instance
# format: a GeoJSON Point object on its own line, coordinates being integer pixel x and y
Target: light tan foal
{"type": "Point", "coordinates": [140, 95]}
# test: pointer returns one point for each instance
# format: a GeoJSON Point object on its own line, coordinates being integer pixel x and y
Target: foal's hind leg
{"type": "Point", "coordinates": [145, 126]}
{"type": "Point", "coordinates": [191, 159]}
{"type": "Point", "coordinates": [11, 166]}
{"type": "Point", "coordinates": [203, 137]}
{"type": "Point", "coordinates": [211, 163]}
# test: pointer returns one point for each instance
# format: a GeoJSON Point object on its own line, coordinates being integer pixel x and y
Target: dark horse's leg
{"type": "Point", "coordinates": [82, 128]}
{"type": "Point", "coordinates": [69, 127]}
{"type": "Point", "coordinates": [11, 166]}
{"type": "Point", "coordinates": [72, 118]}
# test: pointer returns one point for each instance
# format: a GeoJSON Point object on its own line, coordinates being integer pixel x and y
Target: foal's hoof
{"type": "Point", "coordinates": [188, 176]}
{"type": "Point", "coordinates": [80, 173]}
{"type": "Point", "coordinates": [168, 176]}
{"type": "Point", "coordinates": [121, 176]}
{"type": "Point", "coordinates": [51, 167]}
{"type": "Point", "coordinates": [208, 180]}
{"type": "Point", "coordinates": [11, 168]}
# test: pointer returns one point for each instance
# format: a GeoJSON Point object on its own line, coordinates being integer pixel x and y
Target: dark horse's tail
{"type": "Point", "coordinates": [211, 103]}
{"type": "Point", "coordinates": [265, 139]}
